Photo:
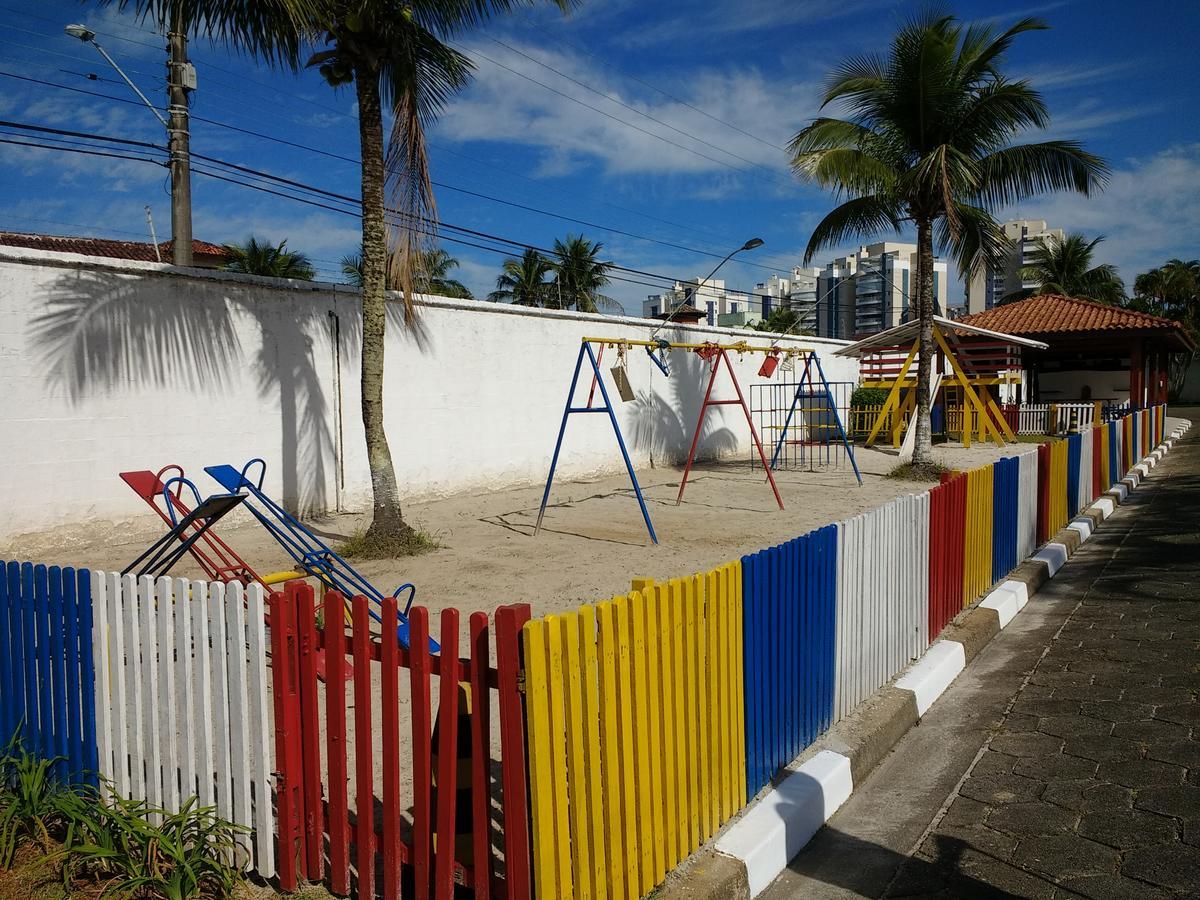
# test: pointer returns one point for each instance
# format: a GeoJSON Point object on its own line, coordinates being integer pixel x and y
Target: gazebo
{"type": "Point", "coordinates": [1096, 352]}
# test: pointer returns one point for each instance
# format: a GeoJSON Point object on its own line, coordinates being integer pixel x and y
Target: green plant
{"type": "Point", "coordinates": [136, 850]}
{"type": "Point", "coordinates": [927, 143]}
{"type": "Point", "coordinates": [34, 807]}
{"type": "Point", "coordinates": [868, 396]}
{"type": "Point", "coordinates": [911, 471]}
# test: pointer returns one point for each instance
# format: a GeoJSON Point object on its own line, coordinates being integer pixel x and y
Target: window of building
{"type": "Point", "coordinates": [653, 311]}
{"type": "Point", "coordinates": [733, 307]}
{"type": "Point", "coordinates": [712, 313]}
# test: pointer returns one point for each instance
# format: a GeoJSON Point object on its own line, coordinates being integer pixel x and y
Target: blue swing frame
{"type": "Point", "coordinates": [824, 393]}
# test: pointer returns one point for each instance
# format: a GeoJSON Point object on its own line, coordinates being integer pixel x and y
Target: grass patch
{"type": "Point", "coordinates": [364, 545]}
{"type": "Point", "coordinates": [912, 472]}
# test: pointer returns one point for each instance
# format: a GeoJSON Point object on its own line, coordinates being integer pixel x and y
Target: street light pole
{"type": "Point", "coordinates": [751, 244]}
{"type": "Point", "coordinates": [179, 81]}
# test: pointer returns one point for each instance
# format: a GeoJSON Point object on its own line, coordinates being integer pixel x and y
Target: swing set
{"type": "Point", "coordinates": [714, 354]}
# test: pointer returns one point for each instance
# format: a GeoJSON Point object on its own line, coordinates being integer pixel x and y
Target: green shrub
{"type": "Point", "coordinates": [868, 396]}
{"type": "Point", "coordinates": [136, 850]}
{"type": "Point", "coordinates": [34, 807]}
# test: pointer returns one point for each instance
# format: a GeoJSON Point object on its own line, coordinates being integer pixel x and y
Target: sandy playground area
{"type": "Point", "coordinates": [592, 542]}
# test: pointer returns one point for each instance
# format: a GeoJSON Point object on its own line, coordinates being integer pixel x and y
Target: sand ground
{"type": "Point", "coordinates": [592, 543]}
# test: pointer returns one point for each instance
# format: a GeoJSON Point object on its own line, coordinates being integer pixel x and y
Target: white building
{"type": "Point", "coordinates": [720, 305]}
{"type": "Point", "coordinates": [797, 291]}
{"type": "Point", "coordinates": [866, 292]}
{"type": "Point", "coordinates": [988, 287]}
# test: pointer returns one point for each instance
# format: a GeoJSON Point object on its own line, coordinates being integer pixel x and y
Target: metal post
{"type": "Point", "coordinates": [178, 141]}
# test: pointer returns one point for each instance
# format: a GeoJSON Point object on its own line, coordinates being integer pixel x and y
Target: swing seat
{"type": "Point", "coordinates": [767, 369]}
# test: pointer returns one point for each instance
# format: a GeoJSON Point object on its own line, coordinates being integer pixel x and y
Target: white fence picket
{"type": "Point", "coordinates": [181, 700]}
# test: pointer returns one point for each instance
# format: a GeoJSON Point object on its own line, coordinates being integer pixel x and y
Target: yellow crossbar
{"type": "Point", "coordinates": [740, 346]}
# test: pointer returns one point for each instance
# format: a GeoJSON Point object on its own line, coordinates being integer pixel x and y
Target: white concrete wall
{"type": "Point", "coordinates": [109, 366]}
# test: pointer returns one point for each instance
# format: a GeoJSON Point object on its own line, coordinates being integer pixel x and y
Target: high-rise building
{"type": "Point", "coordinates": [796, 291]}
{"type": "Point", "coordinates": [990, 286]}
{"type": "Point", "coordinates": [869, 291]}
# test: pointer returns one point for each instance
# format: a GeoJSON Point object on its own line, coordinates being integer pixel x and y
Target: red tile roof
{"type": "Point", "coordinates": [1054, 313]}
{"type": "Point", "coordinates": [203, 251]}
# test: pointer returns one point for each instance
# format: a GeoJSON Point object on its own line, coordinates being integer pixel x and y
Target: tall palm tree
{"type": "Point", "coordinates": [395, 54]}
{"type": "Point", "coordinates": [927, 141]}
{"type": "Point", "coordinates": [579, 275]}
{"type": "Point", "coordinates": [523, 281]}
{"type": "Point", "coordinates": [1065, 267]}
{"type": "Point", "coordinates": [429, 275]}
{"type": "Point", "coordinates": [255, 257]}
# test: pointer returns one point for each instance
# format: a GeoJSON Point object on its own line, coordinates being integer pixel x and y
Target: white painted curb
{"type": "Point", "coordinates": [1104, 506]}
{"type": "Point", "coordinates": [1054, 555]}
{"type": "Point", "coordinates": [1019, 589]}
{"type": "Point", "coordinates": [932, 673]}
{"type": "Point", "coordinates": [1004, 602]}
{"type": "Point", "coordinates": [777, 827]}
{"type": "Point", "coordinates": [1120, 490]}
{"type": "Point", "coordinates": [1084, 527]}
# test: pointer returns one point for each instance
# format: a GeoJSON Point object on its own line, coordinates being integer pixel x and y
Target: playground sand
{"type": "Point", "coordinates": [593, 541]}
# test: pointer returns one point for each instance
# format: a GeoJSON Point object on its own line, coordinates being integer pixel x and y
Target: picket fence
{"type": "Point", "coordinates": [649, 719]}
{"type": "Point", "coordinates": [636, 749]}
{"type": "Point", "coordinates": [47, 697]}
{"type": "Point", "coordinates": [181, 700]}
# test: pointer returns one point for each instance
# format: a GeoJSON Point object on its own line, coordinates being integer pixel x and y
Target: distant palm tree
{"type": "Point", "coordinates": [780, 321]}
{"type": "Point", "coordinates": [429, 274]}
{"type": "Point", "coordinates": [926, 141]}
{"type": "Point", "coordinates": [522, 282]}
{"type": "Point", "coordinates": [1065, 267]}
{"type": "Point", "coordinates": [255, 257]}
{"type": "Point", "coordinates": [579, 275]}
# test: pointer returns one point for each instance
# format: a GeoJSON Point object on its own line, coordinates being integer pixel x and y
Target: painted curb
{"type": "Point", "coordinates": [752, 852]}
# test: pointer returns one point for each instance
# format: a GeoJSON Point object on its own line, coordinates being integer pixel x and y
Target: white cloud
{"type": "Point", "coordinates": [1149, 212]}
{"type": "Point", "coordinates": [503, 106]}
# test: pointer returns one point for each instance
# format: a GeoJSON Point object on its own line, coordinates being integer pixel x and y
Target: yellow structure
{"type": "Point", "coordinates": [965, 372]}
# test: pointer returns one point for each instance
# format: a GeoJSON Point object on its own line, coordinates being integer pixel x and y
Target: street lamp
{"type": "Point", "coordinates": [180, 79]}
{"type": "Point", "coordinates": [752, 244]}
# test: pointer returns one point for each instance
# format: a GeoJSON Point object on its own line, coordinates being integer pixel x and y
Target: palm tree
{"type": "Point", "coordinates": [926, 141]}
{"type": "Point", "coordinates": [523, 281]}
{"type": "Point", "coordinates": [781, 321]}
{"type": "Point", "coordinates": [393, 53]}
{"type": "Point", "coordinates": [429, 275]}
{"type": "Point", "coordinates": [256, 257]}
{"type": "Point", "coordinates": [579, 275]}
{"type": "Point", "coordinates": [1065, 267]}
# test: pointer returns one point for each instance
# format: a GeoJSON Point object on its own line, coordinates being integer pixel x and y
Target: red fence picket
{"type": "Point", "coordinates": [947, 546]}
{"type": "Point", "coordinates": [315, 814]}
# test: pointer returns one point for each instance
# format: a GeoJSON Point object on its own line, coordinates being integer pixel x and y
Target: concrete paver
{"type": "Point", "coordinates": [1065, 761]}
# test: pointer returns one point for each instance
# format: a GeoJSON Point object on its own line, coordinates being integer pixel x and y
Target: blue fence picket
{"type": "Point", "coordinates": [789, 612]}
{"type": "Point", "coordinates": [1113, 433]}
{"type": "Point", "coordinates": [1074, 454]}
{"type": "Point", "coordinates": [47, 667]}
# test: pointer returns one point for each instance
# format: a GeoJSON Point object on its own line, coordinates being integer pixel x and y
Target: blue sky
{"type": "Point", "coordinates": [663, 121]}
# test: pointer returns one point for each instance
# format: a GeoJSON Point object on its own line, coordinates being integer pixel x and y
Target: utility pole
{"type": "Point", "coordinates": [180, 79]}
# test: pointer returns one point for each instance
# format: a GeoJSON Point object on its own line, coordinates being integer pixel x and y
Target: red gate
{"type": "Point", "coordinates": [449, 841]}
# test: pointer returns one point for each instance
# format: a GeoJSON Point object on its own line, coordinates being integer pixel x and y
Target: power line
{"type": "Point", "coordinates": [437, 183]}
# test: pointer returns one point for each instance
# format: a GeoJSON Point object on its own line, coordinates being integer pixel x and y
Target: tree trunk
{"type": "Point", "coordinates": [923, 452]}
{"type": "Point", "coordinates": [386, 520]}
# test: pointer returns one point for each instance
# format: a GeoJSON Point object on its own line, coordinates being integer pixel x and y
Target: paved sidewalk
{"type": "Point", "coordinates": [1075, 770]}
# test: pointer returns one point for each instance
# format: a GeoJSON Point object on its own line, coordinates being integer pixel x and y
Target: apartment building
{"type": "Point", "coordinates": [989, 287]}
{"type": "Point", "coordinates": [719, 305]}
{"type": "Point", "coordinates": [796, 291]}
{"type": "Point", "coordinates": [855, 295]}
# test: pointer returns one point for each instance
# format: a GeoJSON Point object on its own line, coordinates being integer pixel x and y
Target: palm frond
{"type": "Point", "coordinates": [858, 217]}
{"type": "Point", "coordinates": [1014, 174]}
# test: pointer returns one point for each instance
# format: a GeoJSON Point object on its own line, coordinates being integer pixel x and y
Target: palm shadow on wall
{"type": "Point", "coordinates": [663, 427]}
{"type": "Point", "coordinates": [105, 334]}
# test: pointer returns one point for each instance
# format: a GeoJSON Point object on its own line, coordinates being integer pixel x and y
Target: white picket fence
{"type": "Point", "coordinates": [181, 699]}
{"type": "Point", "coordinates": [883, 597]}
{"type": "Point", "coordinates": [1054, 418]}
{"type": "Point", "coordinates": [1027, 479]}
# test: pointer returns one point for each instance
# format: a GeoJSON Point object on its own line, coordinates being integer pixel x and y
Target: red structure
{"type": "Point", "coordinates": [450, 840]}
{"type": "Point", "coordinates": [715, 354]}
